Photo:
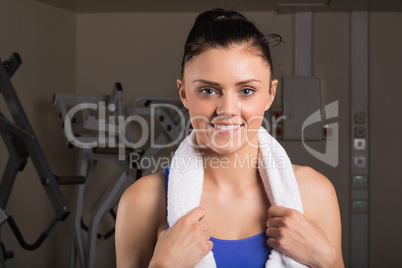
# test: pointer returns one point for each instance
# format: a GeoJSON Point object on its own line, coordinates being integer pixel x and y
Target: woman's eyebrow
{"type": "Point", "coordinates": [217, 84]}
{"type": "Point", "coordinates": [247, 81]}
{"type": "Point", "coordinates": [206, 82]}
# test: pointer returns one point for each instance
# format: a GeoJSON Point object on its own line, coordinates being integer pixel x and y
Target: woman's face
{"type": "Point", "coordinates": [227, 91]}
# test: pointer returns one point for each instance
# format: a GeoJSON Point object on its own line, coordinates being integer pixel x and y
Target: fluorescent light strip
{"type": "Point", "coordinates": [304, 4]}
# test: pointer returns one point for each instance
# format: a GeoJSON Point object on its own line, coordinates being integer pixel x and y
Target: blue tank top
{"type": "Point", "coordinates": [251, 252]}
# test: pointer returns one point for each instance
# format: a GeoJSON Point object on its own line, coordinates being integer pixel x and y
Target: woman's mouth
{"type": "Point", "coordinates": [226, 127]}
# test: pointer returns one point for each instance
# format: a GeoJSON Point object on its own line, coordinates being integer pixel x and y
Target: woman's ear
{"type": "Point", "coordinates": [182, 92]}
{"type": "Point", "coordinates": [272, 92]}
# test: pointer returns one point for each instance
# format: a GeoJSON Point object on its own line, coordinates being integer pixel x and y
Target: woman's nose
{"type": "Point", "coordinates": [228, 105]}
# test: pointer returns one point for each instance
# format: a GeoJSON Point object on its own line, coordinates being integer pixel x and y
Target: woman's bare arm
{"type": "Point", "coordinates": [312, 238]}
{"type": "Point", "coordinates": [141, 213]}
{"type": "Point", "coordinates": [321, 206]}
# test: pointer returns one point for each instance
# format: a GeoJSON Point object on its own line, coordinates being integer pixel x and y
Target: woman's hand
{"type": "Point", "coordinates": [293, 234]}
{"type": "Point", "coordinates": [185, 243]}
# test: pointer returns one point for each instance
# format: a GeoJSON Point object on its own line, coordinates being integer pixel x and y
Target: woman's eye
{"type": "Point", "coordinates": [247, 91]}
{"type": "Point", "coordinates": [208, 91]}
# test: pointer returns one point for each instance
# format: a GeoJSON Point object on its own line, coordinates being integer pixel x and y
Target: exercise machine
{"type": "Point", "coordinates": [22, 144]}
{"type": "Point", "coordinates": [97, 125]}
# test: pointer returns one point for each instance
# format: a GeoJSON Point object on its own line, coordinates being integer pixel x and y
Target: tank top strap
{"type": "Point", "coordinates": [166, 173]}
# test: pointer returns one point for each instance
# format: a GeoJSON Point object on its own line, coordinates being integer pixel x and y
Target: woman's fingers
{"type": "Point", "coordinates": [275, 222]}
{"type": "Point", "coordinates": [272, 242]}
{"type": "Point", "coordinates": [277, 211]}
{"type": "Point", "coordinates": [203, 226]}
{"type": "Point", "coordinates": [273, 232]}
{"type": "Point", "coordinates": [187, 241]}
{"type": "Point", "coordinates": [196, 214]}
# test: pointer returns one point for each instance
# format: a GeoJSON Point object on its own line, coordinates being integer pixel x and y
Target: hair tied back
{"type": "Point", "coordinates": [223, 28]}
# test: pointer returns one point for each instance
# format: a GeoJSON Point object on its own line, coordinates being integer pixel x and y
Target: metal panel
{"type": "Point", "coordinates": [302, 99]}
{"type": "Point", "coordinates": [359, 178]}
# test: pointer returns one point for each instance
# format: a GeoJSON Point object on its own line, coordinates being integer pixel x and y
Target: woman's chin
{"type": "Point", "coordinates": [225, 149]}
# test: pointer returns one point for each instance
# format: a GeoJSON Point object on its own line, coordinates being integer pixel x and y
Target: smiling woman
{"type": "Point", "coordinates": [227, 91]}
{"type": "Point", "coordinates": [227, 84]}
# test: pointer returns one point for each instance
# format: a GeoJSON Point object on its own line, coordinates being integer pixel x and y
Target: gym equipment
{"type": "Point", "coordinates": [102, 138]}
{"type": "Point", "coordinates": [21, 144]}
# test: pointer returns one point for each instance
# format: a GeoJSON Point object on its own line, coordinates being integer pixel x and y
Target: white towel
{"type": "Point", "coordinates": [186, 179]}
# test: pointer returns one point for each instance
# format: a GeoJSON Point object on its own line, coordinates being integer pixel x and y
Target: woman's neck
{"type": "Point", "coordinates": [232, 170]}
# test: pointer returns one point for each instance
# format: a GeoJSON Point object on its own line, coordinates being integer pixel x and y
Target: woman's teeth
{"type": "Point", "coordinates": [226, 127]}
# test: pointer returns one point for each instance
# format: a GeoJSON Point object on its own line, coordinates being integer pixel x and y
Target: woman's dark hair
{"type": "Point", "coordinates": [222, 28]}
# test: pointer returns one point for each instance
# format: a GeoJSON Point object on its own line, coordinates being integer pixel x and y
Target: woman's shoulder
{"type": "Point", "coordinates": [148, 188]}
{"type": "Point", "coordinates": [149, 182]}
{"type": "Point", "coordinates": [317, 192]}
{"type": "Point", "coordinates": [140, 217]}
{"type": "Point", "coordinates": [145, 198]}
{"type": "Point", "coordinates": [309, 179]}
